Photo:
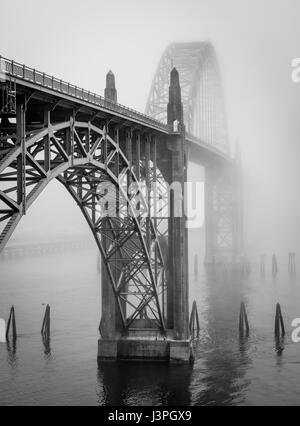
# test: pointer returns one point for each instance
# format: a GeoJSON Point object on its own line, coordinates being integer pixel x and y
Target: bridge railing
{"type": "Point", "coordinates": [217, 150]}
{"type": "Point", "coordinates": [16, 70]}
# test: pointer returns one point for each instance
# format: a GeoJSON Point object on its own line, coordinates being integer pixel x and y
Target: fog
{"type": "Point", "coordinates": [255, 43]}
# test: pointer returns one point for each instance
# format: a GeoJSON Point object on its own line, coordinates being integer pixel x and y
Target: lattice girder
{"type": "Point", "coordinates": [82, 156]}
{"type": "Point", "coordinates": [201, 91]}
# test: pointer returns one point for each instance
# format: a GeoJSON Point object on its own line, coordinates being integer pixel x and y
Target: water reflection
{"type": "Point", "coordinates": [279, 345]}
{"type": "Point", "coordinates": [218, 376]}
{"type": "Point", "coordinates": [47, 348]}
{"type": "Point", "coordinates": [12, 359]}
{"type": "Point", "coordinates": [144, 384]}
{"type": "Point", "coordinates": [227, 370]}
{"type": "Point", "coordinates": [222, 356]}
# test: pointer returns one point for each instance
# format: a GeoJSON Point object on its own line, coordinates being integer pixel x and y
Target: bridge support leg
{"type": "Point", "coordinates": [177, 273]}
{"type": "Point", "coordinates": [223, 216]}
{"type": "Point", "coordinates": [108, 318]}
{"type": "Point", "coordinates": [141, 341]}
{"type": "Point", "coordinates": [178, 309]}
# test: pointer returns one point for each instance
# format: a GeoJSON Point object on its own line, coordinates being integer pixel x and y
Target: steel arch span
{"type": "Point", "coordinates": [205, 119]}
{"type": "Point", "coordinates": [201, 87]}
{"type": "Point", "coordinates": [81, 156]}
{"type": "Point", "coordinates": [51, 129]}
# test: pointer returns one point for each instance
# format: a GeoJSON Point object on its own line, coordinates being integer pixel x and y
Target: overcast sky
{"type": "Point", "coordinates": [255, 41]}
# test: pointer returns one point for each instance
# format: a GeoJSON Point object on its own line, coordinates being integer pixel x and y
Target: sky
{"type": "Point", "coordinates": [255, 41]}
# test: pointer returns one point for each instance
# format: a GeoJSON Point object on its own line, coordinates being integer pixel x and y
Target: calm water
{"type": "Point", "coordinates": [226, 371]}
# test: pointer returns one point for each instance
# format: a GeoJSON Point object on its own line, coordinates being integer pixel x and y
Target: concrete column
{"type": "Point", "coordinates": [109, 308]}
{"type": "Point", "coordinates": [111, 323]}
{"type": "Point", "coordinates": [177, 277]}
{"type": "Point", "coordinates": [110, 90]}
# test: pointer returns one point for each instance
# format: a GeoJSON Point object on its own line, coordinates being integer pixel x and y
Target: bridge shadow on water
{"type": "Point", "coordinates": [126, 383]}
{"type": "Point", "coordinates": [219, 374]}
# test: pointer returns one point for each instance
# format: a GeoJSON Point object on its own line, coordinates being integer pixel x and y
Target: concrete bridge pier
{"type": "Point", "coordinates": [141, 341]}
{"type": "Point", "coordinates": [177, 282]}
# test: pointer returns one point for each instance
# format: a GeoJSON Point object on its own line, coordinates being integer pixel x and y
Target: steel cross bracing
{"type": "Point", "coordinates": [223, 203]}
{"type": "Point", "coordinates": [17, 73]}
{"type": "Point", "coordinates": [205, 120]}
{"type": "Point", "coordinates": [81, 156]}
{"type": "Point", "coordinates": [51, 129]}
{"type": "Point", "coordinates": [202, 94]}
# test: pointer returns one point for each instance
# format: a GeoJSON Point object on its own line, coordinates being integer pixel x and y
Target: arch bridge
{"type": "Point", "coordinates": [51, 129]}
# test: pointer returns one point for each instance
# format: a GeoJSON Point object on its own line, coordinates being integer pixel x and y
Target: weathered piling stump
{"type": "Point", "coordinates": [46, 324]}
{"type": "Point", "coordinates": [279, 323]}
{"type": "Point", "coordinates": [244, 329]}
{"type": "Point", "coordinates": [194, 321]}
{"type": "Point", "coordinates": [274, 266]}
{"type": "Point", "coordinates": [11, 324]}
{"type": "Point", "coordinates": [292, 263]}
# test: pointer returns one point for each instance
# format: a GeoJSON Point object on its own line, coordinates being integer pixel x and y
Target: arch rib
{"type": "Point", "coordinates": [81, 171]}
{"type": "Point", "coordinates": [202, 93]}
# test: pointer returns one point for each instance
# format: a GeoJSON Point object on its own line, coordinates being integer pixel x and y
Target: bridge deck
{"type": "Point", "coordinates": [200, 151]}
{"type": "Point", "coordinates": [42, 82]}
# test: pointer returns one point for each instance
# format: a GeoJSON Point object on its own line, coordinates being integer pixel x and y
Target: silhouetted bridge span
{"type": "Point", "coordinates": [41, 248]}
{"type": "Point", "coordinates": [51, 129]}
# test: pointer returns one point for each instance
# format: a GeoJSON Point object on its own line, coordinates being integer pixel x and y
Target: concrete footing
{"type": "Point", "coordinates": [126, 349]}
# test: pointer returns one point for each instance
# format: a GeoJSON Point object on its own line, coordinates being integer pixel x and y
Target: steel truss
{"type": "Point", "coordinates": [202, 93]}
{"type": "Point", "coordinates": [81, 156]}
{"type": "Point", "coordinates": [8, 96]}
{"type": "Point", "coordinates": [204, 118]}
{"type": "Point", "coordinates": [222, 230]}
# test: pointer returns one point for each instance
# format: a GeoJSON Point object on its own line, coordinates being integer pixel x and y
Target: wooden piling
{"type": "Point", "coordinates": [292, 263]}
{"type": "Point", "coordinates": [11, 324]}
{"type": "Point", "coordinates": [194, 321]}
{"type": "Point", "coordinates": [46, 324]}
{"type": "Point", "coordinates": [244, 328]}
{"type": "Point", "coordinates": [279, 323]}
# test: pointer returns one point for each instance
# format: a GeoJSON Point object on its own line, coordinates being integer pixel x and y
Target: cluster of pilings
{"type": "Point", "coordinates": [274, 265]}
{"type": "Point", "coordinates": [11, 328]}
{"type": "Point", "coordinates": [194, 325]}
{"type": "Point", "coordinates": [239, 266]}
{"type": "Point", "coordinates": [244, 328]}
{"type": "Point", "coordinates": [242, 266]}
{"type": "Point", "coordinates": [279, 330]}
